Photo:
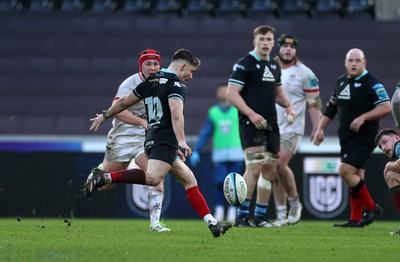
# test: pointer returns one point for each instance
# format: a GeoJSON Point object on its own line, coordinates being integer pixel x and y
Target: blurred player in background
{"type": "Point", "coordinates": [254, 88]}
{"type": "Point", "coordinates": [361, 100]}
{"type": "Point", "coordinates": [301, 88]}
{"type": "Point", "coordinates": [222, 125]}
{"type": "Point", "coordinates": [388, 140]}
{"type": "Point", "coordinates": [165, 145]}
{"type": "Point", "coordinates": [125, 144]}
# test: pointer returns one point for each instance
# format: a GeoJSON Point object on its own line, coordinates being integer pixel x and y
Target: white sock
{"type": "Point", "coordinates": [281, 211]}
{"type": "Point", "coordinates": [219, 212]}
{"type": "Point", "coordinates": [210, 220]}
{"type": "Point", "coordinates": [231, 214]}
{"type": "Point", "coordinates": [107, 178]}
{"type": "Point", "coordinates": [155, 206]}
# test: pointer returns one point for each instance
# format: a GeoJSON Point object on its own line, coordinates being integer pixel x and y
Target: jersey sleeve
{"type": "Point", "coordinates": [177, 91]}
{"type": "Point", "coordinates": [311, 82]}
{"type": "Point", "coordinates": [382, 96]}
{"type": "Point", "coordinates": [238, 74]}
{"type": "Point", "coordinates": [138, 91]}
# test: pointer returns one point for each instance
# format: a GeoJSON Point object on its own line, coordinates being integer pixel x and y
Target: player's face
{"type": "Point", "coordinates": [287, 53]}
{"type": "Point", "coordinates": [386, 144]}
{"type": "Point", "coordinates": [187, 71]}
{"type": "Point", "coordinates": [355, 63]}
{"type": "Point", "coordinates": [263, 44]}
{"type": "Point", "coordinates": [150, 67]}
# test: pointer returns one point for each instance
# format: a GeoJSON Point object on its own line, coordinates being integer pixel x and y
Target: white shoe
{"type": "Point", "coordinates": [295, 209]}
{"type": "Point", "coordinates": [280, 222]}
{"type": "Point", "coordinates": [159, 227]}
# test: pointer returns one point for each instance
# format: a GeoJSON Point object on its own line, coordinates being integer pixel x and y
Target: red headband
{"type": "Point", "coordinates": [148, 54]}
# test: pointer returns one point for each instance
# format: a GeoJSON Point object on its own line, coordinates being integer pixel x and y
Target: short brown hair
{"type": "Point", "coordinates": [184, 54]}
{"type": "Point", "coordinates": [384, 132]}
{"type": "Point", "coordinates": [263, 29]}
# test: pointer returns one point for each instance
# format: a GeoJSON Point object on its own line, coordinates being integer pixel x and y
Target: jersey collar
{"type": "Point", "coordinates": [252, 53]}
{"type": "Point", "coordinates": [362, 74]}
{"type": "Point", "coordinates": [167, 71]}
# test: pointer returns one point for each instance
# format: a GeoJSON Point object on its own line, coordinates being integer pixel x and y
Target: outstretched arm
{"type": "Point", "coordinates": [117, 107]}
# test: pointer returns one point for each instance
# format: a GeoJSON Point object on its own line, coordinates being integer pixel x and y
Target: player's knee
{"type": "Point", "coordinates": [153, 181]}
{"type": "Point", "coordinates": [252, 158]}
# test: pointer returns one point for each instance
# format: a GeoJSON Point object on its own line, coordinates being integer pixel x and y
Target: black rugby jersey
{"type": "Point", "coordinates": [354, 97]}
{"type": "Point", "coordinates": [258, 80]}
{"type": "Point", "coordinates": [156, 91]}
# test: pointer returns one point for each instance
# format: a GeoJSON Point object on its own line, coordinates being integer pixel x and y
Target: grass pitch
{"type": "Point", "coordinates": [190, 240]}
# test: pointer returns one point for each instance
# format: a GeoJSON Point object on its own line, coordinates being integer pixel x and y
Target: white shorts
{"type": "Point", "coordinates": [125, 152]}
{"type": "Point", "coordinates": [291, 141]}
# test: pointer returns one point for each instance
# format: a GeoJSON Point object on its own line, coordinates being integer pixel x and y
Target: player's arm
{"type": "Point", "coordinates": [233, 95]}
{"type": "Point", "coordinates": [117, 107]}
{"type": "Point", "coordinates": [314, 105]}
{"type": "Point", "coordinates": [129, 118]}
{"type": "Point", "coordinates": [176, 107]}
{"type": "Point", "coordinates": [376, 113]}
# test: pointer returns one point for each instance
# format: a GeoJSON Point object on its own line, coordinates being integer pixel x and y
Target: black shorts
{"type": "Point", "coordinates": [251, 136]}
{"type": "Point", "coordinates": [356, 151]}
{"type": "Point", "coordinates": [161, 150]}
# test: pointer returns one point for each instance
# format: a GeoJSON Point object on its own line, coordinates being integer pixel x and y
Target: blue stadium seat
{"type": "Point", "coordinates": [44, 5]}
{"type": "Point", "coordinates": [168, 7]}
{"type": "Point", "coordinates": [297, 9]}
{"type": "Point", "coordinates": [106, 5]}
{"type": "Point", "coordinates": [14, 5]}
{"type": "Point", "coordinates": [329, 8]}
{"type": "Point", "coordinates": [264, 8]}
{"type": "Point", "coordinates": [363, 9]}
{"type": "Point", "coordinates": [75, 5]}
{"type": "Point", "coordinates": [231, 8]}
{"type": "Point", "coordinates": [137, 6]}
{"type": "Point", "coordinates": [200, 8]}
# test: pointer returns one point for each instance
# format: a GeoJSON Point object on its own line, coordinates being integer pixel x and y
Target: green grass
{"type": "Point", "coordinates": [190, 240]}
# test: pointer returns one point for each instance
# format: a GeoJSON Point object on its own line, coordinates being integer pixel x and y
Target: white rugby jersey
{"type": "Point", "coordinates": [131, 133]}
{"type": "Point", "coordinates": [297, 80]}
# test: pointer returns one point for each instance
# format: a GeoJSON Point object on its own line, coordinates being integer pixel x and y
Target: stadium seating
{"type": "Point", "coordinates": [329, 8]}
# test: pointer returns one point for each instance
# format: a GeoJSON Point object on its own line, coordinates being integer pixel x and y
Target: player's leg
{"type": "Point", "coordinates": [186, 177]}
{"type": "Point", "coordinates": [280, 197]}
{"type": "Point", "coordinates": [155, 197]}
{"type": "Point", "coordinates": [268, 173]}
{"type": "Point", "coordinates": [254, 157]}
{"type": "Point", "coordinates": [289, 144]}
{"type": "Point", "coordinates": [393, 181]}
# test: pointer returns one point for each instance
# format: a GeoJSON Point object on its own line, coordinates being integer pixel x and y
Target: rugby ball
{"type": "Point", "coordinates": [235, 189]}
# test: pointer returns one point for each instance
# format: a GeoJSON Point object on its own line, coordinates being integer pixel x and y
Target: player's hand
{"type": "Point", "coordinates": [194, 158]}
{"type": "Point", "coordinates": [183, 150]}
{"type": "Point", "coordinates": [97, 121]}
{"type": "Point", "coordinates": [259, 121]}
{"type": "Point", "coordinates": [289, 118]}
{"type": "Point", "coordinates": [356, 124]}
{"type": "Point", "coordinates": [318, 137]}
{"type": "Point", "coordinates": [290, 114]}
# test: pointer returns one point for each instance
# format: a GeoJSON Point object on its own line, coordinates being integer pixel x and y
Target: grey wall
{"type": "Point", "coordinates": [58, 69]}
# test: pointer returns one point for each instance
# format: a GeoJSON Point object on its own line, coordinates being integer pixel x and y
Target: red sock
{"type": "Point", "coordinates": [361, 192]}
{"type": "Point", "coordinates": [395, 193]}
{"type": "Point", "coordinates": [131, 176]}
{"type": "Point", "coordinates": [355, 208]}
{"type": "Point", "coordinates": [197, 201]}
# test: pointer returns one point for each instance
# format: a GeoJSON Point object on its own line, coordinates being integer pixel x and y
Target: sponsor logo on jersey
{"type": "Point", "coordinates": [163, 80]}
{"type": "Point", "coordinates": [357, 85]}
{"type": "Point", "coordinates": [345, 93]}
{"type": "Point", "coordinates": [325, 195]}
{"type": "Point", "coordinates": [237, 66]}
{"type": "Point", "coordinates": [273, 67]}
{"type": "Point", "coordinates": [268, 76]}
{"type": "Point", "coordinates": [177, 84]}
